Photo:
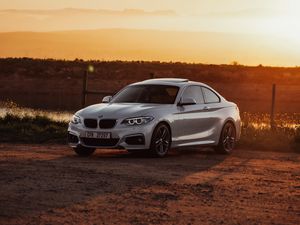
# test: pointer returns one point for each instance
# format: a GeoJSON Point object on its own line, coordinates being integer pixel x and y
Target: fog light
{"type": "Point", "coordinates": [72, 138]}
{"type": "Point", "coordinates": [135, 140]}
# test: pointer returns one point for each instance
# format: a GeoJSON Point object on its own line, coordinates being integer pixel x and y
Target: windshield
{"type": "Point", "coordinates": [156, 94]}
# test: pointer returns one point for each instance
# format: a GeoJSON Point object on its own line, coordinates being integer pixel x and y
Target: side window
{"type": "Point", "coordinates": [195, 93]}
{"type": "Point", "coordinates": [210, 96]}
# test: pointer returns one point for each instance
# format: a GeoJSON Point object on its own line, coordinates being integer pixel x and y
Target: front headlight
{"type": "Point", "coordinates": [137, 120]}
{"type": "Point", "coordinates": [75, 119]}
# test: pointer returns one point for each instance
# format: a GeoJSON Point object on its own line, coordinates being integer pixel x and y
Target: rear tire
{"type": "Point", "coordinates": [84, 151]}
{"type": "Point", "coordinates": [227, 139]}
{"type": "Point", "coordinates": [160, 141]}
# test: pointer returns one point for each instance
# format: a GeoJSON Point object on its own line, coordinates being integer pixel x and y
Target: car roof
{"type": "Point", "coordinates": [169, 81]}
{"type": "Point", "coordinates": [179, 82]}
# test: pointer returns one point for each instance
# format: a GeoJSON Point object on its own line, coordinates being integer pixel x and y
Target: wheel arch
{"type": "Point", "coordinates": [166, 123]}
{"type": "Point", "coordinates": [229, 120]}
{"type": "Point", "coordinates": [163, 122]}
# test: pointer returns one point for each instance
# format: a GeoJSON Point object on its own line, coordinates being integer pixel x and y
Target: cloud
{"type": "Point", "coordinates": [100, 12]}
{"type": "Point", "coordinates": [79, 18]}
{"type": "Point", "coordinates": [246, 13]}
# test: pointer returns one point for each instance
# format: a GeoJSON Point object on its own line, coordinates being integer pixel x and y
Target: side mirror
{"type": "Point", "coordinates": [106, 99]}
{"type": "Point", "coordinates": [186, 101]}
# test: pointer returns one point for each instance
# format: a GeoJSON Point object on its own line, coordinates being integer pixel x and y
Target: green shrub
{"type": "Point", "coordinates": [38, 129]}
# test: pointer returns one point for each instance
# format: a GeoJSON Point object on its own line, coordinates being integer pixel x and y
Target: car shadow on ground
{"type": "Point", "coordinates": [33, 185]}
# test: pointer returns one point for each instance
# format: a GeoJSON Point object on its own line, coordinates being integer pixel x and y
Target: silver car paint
{"type": "Point", "coordinates": [199, 124]}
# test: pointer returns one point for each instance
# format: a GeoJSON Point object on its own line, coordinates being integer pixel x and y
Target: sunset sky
{"type": "Point", "coordinates": [275, 20]}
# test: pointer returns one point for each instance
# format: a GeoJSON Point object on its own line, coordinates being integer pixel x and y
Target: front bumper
{"type": "Point", "coordinates": [131, 138]}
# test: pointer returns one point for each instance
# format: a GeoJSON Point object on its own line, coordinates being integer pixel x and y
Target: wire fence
{"type": "Point", "coordinates": [71, 94]}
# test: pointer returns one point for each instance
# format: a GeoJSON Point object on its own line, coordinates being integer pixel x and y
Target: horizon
{"type": "Point", "coordinates": [232, 64]}
{"type": "Point", "coordinates": [271, 26]}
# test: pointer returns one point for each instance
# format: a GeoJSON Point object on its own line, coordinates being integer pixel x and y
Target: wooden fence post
{"type": "Point", "coordinates": [84, 88]}
{"type": "Point", "coordinates": [272, 115]}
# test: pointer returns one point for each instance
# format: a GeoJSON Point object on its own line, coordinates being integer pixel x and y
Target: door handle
{"type": "Point", "coordinates": [206, 108]}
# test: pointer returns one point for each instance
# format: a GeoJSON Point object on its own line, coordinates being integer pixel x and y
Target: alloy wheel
{"type": "Point", "coordinates": [228, 137]}
{"type": "Point", "coordinates": [161, 140]}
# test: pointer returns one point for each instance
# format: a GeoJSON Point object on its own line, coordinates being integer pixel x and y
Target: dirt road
{"type": "Point", "coordinates": [50, 185]}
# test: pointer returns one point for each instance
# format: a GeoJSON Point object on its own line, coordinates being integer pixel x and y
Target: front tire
{"type": "Point", "coordinates": [227, 139]}
{"type": "Point", "coordinates": [161, 141]}
{"type": "Point", "coordinates": [84, 151]}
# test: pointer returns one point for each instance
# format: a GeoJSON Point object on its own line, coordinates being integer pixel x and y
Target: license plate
{"type": "Point", "coordinates": [102, 135]}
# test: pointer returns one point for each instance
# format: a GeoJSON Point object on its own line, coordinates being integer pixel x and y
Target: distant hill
{"type": "Point", "coordinates": [130, 44]}
{"type": "Point", "coordinates": [57, 84]}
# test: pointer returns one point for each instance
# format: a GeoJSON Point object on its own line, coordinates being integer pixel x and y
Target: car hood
{"type": "Point", "coordinates": [120, 110]}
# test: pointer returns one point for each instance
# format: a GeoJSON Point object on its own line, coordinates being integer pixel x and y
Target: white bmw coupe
{"type": "Point", "coordinates": [156, 115]}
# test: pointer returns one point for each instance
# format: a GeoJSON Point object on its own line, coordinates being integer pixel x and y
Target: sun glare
{"type": "Point", "coordinates": [286, 23]}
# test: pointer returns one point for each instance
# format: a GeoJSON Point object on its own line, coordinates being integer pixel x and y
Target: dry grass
{"type": "Point", "coordinates": [257, 132]}
{"type": "Point", "coordinates": [13, 109]}
{"type": "Point", "coordinates": [25, 125]}
{"type": "Point", "coordinates": [19, 124]}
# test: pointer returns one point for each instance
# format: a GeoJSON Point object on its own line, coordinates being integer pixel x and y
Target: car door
{"type": "Point", "coordinates": [191, 122]}
{"type": "Point", "coordinates": [214, 115]}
